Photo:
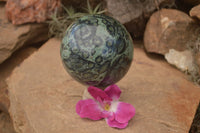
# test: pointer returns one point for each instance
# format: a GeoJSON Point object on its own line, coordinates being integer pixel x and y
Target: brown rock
{"type": "Point", "coordinates": [170, 29]}
{"type": "Point", "coordinates": [25, 11]}
{"type": "Point", "coordinates": [197, 58]}
{"type": "Point", "coordinates": [195, 12]}
{"type": "Point", "coordinates": [5, 70]}
{"type": "Point", "coordinates": [134, 14]}
{"type": "Point", "coordinates": [4, 100]}
{"type": "Point", "coordinates": [197, 62]}
{"type": "Point", "coordinates": [14, 37]}
{"type": "Point", "coordinates": [43, 96]}
{"type": "Point", "coordinates": [6, 125]}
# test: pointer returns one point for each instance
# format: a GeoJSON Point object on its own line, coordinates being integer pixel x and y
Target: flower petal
{"type": "Point", "coordinates": [124, 112]}
{"type": "Point", "coordinates": [114, 123]}
{"type": "Point", "coordinates": [106, 114]}
{"type": "Point", "coordinates": [89, 109]}
{"type": "Point", "coordinates": [96, 92]}
{"type": "Point", "coordinates": [113, 91]}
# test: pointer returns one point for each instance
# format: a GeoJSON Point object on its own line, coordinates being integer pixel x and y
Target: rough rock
{"type": "Point", "coordinates": [196, 51]}
{"type": "Point", "coordinates": [134, 14]}
{"type": "Point", "coordinates": [6, 69]}
{"type": "Point", "coordinates": [14, 37]}
{"type": "Point", "coordinates": [197, 59]}
{"type": "Point", "coordinates": [183, 60]}
{"type": "Point", "coordinates": [25, 11]}
{"type": "Point", "coordinates": [43, 96]}
{"type": "Point", "coordinates": [4, 100]}
{"type": "Point", "coordinates": [170, 29]}
{"type": "Point", "coordinates": [6, 125]}
{"type": "Point", "coordinates": [195, 12]}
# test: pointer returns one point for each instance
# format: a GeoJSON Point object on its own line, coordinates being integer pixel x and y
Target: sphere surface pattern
{"type": "Point", "coordinates": [97, 50]}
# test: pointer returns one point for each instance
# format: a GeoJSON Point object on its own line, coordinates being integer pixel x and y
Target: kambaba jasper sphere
{"type": "Point", "coordinates": [97, 50]}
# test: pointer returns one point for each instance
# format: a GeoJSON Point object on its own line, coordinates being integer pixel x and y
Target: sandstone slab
{"type": "Point", "coordinates": [4, 100]}
{"type": "Point", "coordinates": [170, 29]}
{"type": "Point", "coordinates": [43, 96]}
{"type": "Point", "coordinates": [6, 69]}
{"type": "Point", "coordinates": [14, 37]}
{"type": "Point", "coordinates": [134, 14]}
{"type": "Point", "coordinates": [25, 11]}
{"type": "Point", "coordinates": [6, 125]}
{"type": "Point", "coordinates": [195, 12]}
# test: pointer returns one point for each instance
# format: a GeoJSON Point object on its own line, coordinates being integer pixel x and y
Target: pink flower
{"type": "Point", "coordinates": [106, 105]}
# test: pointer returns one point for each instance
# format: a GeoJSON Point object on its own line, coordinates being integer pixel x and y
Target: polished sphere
{"type": "Point", "coordinates": [97, 50]}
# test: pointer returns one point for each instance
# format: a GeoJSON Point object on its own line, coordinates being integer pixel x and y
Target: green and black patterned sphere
{"type": "Point", "coordinates": [97, 50]}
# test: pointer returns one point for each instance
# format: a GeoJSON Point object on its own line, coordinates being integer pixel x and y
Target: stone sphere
{"type": "Point", "coordinates": [97, 50]}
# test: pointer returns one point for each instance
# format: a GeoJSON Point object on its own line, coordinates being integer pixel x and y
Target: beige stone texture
{"type": "Point", "coordinates": [195, 12]}
{"type": "Point", "coordinates": [43, 96]}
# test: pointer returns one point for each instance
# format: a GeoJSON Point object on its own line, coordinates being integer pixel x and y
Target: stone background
{"type": "Point", "coordinates": [38, 96]}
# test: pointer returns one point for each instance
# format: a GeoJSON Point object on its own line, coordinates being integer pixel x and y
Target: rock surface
{"type": "Point", "coordinates": [6, 69]}
{"type": "Point", "coordinates": [25, 11]}
{"type": "Point", "coordinates": [197, 59]}
{"type": "Point", "coordinates": [43, 96]}
{"type": "Point", "coordinates": [14, 37]}
{"type": "Point", "coordinates": [170, 29]}
{"type": "Point", "coordinates": [134, 14]}
{"type": "Point", "coordinates": [4, 100]}
{"type": "Point", "coordinates": [195, 12]}
{"type": "Point", "coordinates": [6, 125]}
{"type": "Point", "coordinates": [182, 60]}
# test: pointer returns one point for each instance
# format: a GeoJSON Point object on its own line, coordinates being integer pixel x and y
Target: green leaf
{"type": "Point", "coordinates": [89, 8]}
{"type": "Point", "coordinates": [59, 22]}
{"type": "Point", "coordinates": [97, 8]}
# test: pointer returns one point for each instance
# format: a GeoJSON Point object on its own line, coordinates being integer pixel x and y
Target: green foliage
{"type": "Point", "coordinates": [60, 21]}
{"type": "Point", "coordinates": [194, 75]}
{"type": "Point", "coordinates": [96, 10]}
